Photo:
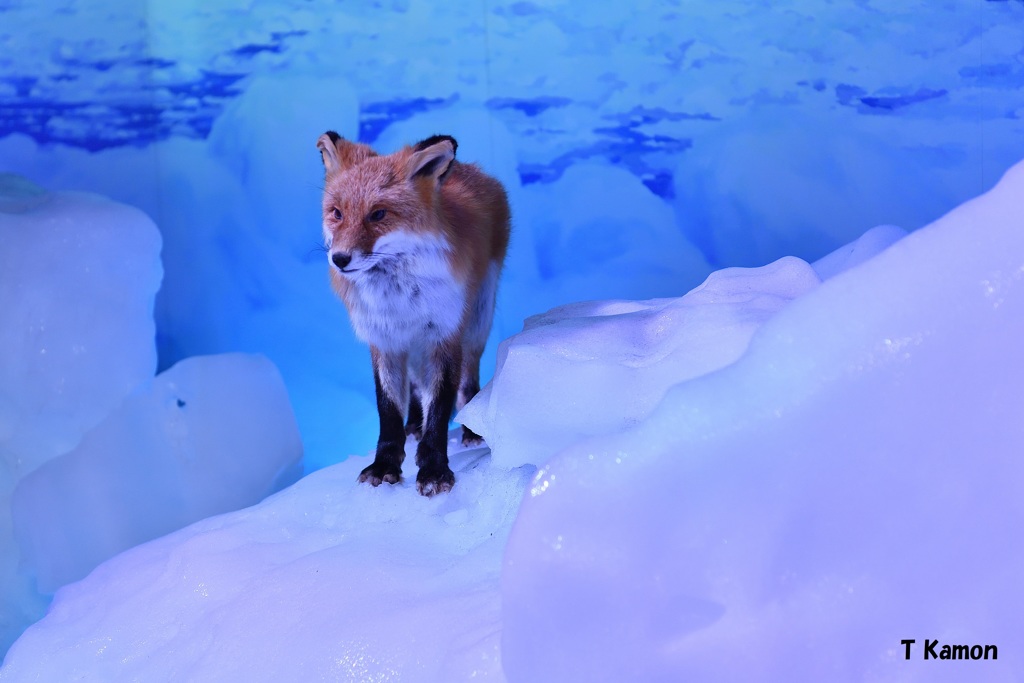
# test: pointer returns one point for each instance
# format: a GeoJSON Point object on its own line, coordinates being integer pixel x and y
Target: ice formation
{"type": "Point", "coordinates": [78, 273]}
{"type": "Point", "coordinates": [554, 378]}
{"type": "Point", "coordinates": [849, 481]}
{"type": "Point", "coordinates": [96, 455]}
{"type": "Point", "coordinates": [718, 133]}
{"type": "Point", "coordinates": [324, 580]}
{"type": "Point", "coordinates": [210, 435]}
{"type": "Point", "coordinates": [598, 367]}
{"type": "Point", "coordinates": [873, 242]}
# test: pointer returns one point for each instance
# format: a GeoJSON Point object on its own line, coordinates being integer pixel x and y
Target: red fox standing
{"type": "Point", "coordinates": [416, 241]}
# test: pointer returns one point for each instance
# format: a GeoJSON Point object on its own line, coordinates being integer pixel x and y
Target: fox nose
{"type": "Point", "coordinates": [341, 259]}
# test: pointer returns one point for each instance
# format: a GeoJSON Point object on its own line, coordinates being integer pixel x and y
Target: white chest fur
{"type": "Point", "coordinates": [408, 297]}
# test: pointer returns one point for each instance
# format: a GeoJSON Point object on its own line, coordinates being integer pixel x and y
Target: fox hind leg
{"type": "Point", "coordinates": [469, 386]}
{"type": "Point", "coordinates": [477, 331]}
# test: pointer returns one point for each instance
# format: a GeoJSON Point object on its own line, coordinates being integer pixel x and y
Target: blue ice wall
{"type": "Point", "coordinates": [643, 144]}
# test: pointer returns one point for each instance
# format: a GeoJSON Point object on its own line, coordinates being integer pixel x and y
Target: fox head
{"type": "Point", "coordinates": [375, 206]}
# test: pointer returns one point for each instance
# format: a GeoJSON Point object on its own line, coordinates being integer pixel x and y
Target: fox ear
{"type": "Point", "coordinates": [432, 158]}
{"type": "Point", "coordinates": [329, 152]}
{"type": "Point", "coordinates": [339, 154]}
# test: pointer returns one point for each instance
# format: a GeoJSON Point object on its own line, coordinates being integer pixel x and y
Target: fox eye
{"type": "Point", "coordinates": [377, 215]}
{"type": "Point", "coordinates": [337, 213]}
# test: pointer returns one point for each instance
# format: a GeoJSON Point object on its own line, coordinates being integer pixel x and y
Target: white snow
{"type": "Point", "coordinates": [325, 580]}
{"type": "Point", "coordinates": [554, 378]}
{"type": "Point", "coordinates": [78, 273]}
{"type": "Point", "coordinates": [598, 367]}
{"type": "Point", "coordinates": [642, 145]}
{"type": "Point", "coordinates": [95, 454]}
{"type": "Point", "coordinates": [849, 481]}
{"type": "Point", "coordinates": [210, 435]}
{"type": "Point", "coordinates": [873, 242]}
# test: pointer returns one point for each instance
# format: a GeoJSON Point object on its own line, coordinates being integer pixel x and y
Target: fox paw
{"type": "Point", "coordinates": [433, 480]}
{"type": "Point", "coordinates": [381, 473]}
{"type": "Point", "coordinates": [471, 438]}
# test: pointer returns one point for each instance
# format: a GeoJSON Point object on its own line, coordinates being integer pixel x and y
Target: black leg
{"type": "Point", "coordinates": [414, 425]}
{"type": "Point", "coordinates": [387, 464]}
{"type": "Point", "coordinates": [469, 388]}
{"type": "Point", "coordinates": [432, 453]}
{"type": "Point", "coordinates": [471, 438]}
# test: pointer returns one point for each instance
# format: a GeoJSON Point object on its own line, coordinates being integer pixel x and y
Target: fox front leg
{"type": "Point", "coordinates": [438, 399]}
{"type": "Point", "coordinates": [391, 381]}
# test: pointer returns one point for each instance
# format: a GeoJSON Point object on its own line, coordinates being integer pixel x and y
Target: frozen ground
{"type": "Point", "coordinates": [97, 455]}
{"type": "Point", "coordinates": [327, 580]}
{"type": "Point", "coordinates": [78, 274]}
{"type": "Point", "coordinates": [583, 353]}
{"type": "Point", "coordinates": [210, 435]}
{"type": "Point", "coordinates": [553, 380]}
{"type": "Point", "coordinates": [643, 147]}
{"type": "Point", "coordinates": [851, 480]}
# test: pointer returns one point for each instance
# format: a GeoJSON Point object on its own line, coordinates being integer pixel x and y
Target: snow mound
{"type": "Point", "coordinates": [209, 435]}
{"type": "Point", "coordinates": [598, 367]}
{"type": "Point", "coordinates": [327, 579]}
{"type": "Point", "coordinates": [841, 474]}
{"type": "Point", "coordinates": [852, 481]}
{"type": "Point", "coordinates": [96, 455]}
{"type": "Point", "coordinates": [870, 244]}
{"type": "Point", "coordinates": [78, 274]}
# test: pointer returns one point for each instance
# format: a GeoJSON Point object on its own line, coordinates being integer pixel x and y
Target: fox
{"type": "Point", "coordinates": [416, 242]}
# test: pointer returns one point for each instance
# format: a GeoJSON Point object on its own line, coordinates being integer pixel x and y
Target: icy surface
{"type": "Point", "coordinates": [597, 367]}
{"type": "Point", "coordinates": [78, 274]}
{"type": "Point", "coordinates": [642, 145]}
{"type": "Point", "coordinates": [209, 435]}
{"type": "Point", "coordinates": [96, 455]}
{"type": "Point", "coordinates": [853, 480]}
{"type": "Point", "coordinates": [873, 242]}
{"type": "Point", "coordinates": [327, 580]}
{"type": "Point", "coordinates": [849, 481]}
